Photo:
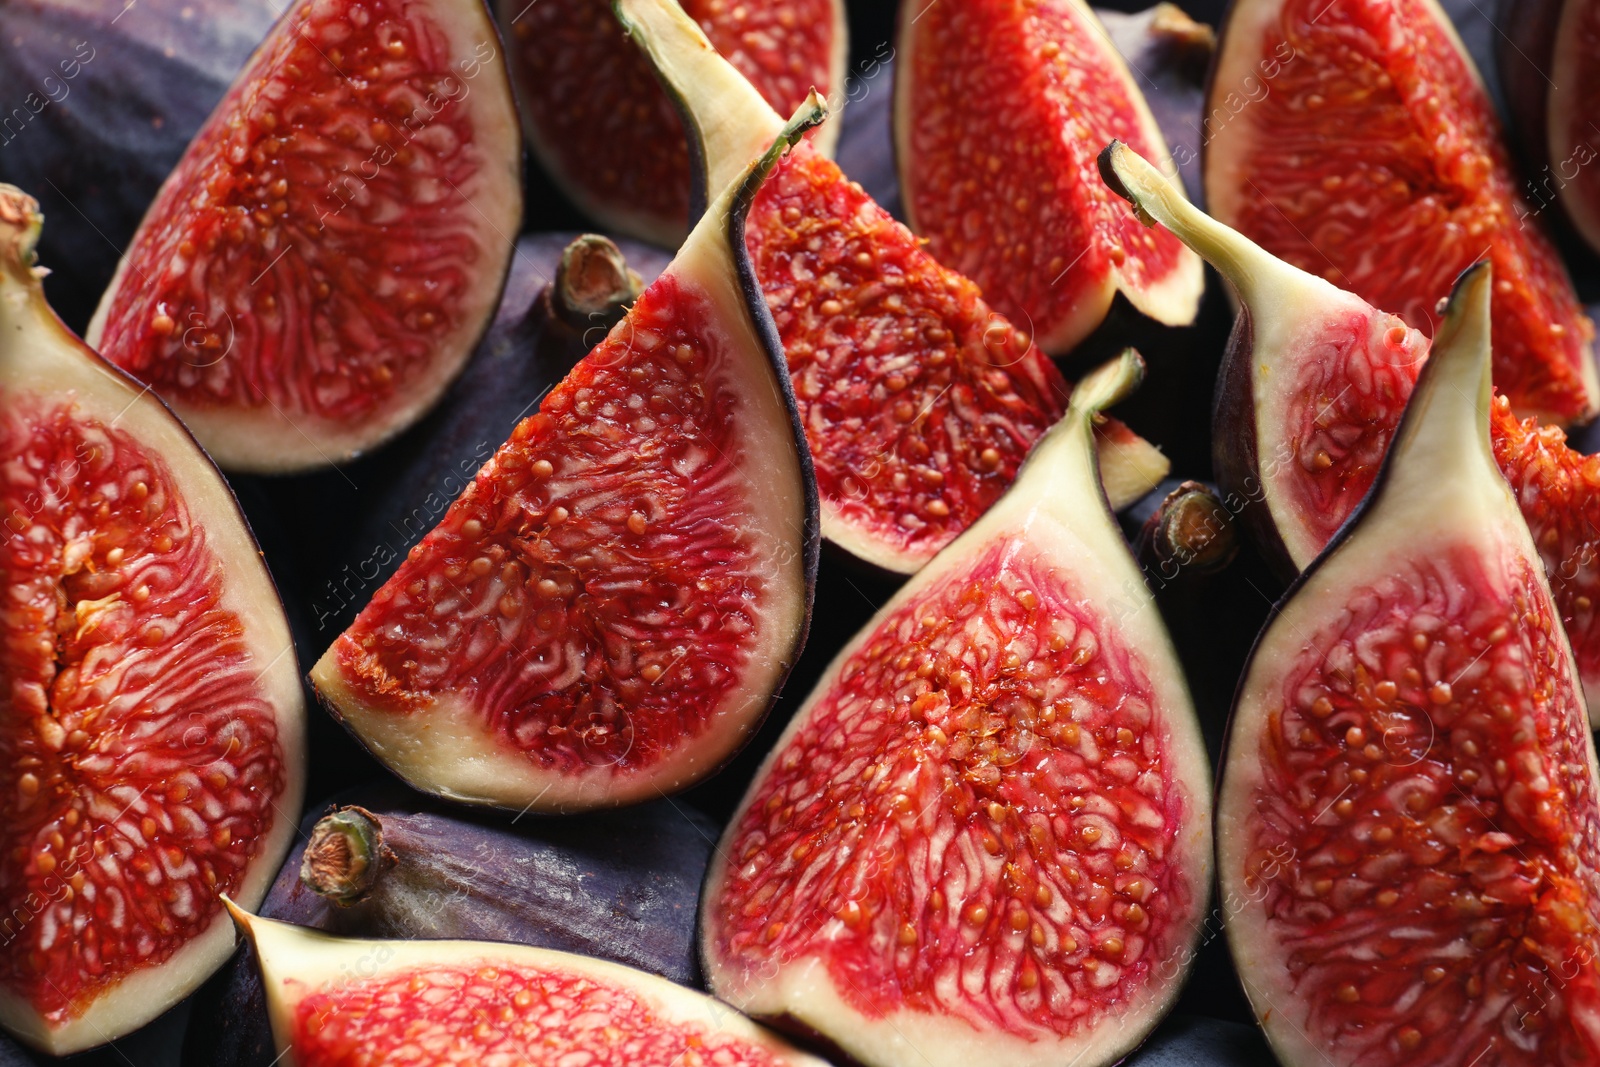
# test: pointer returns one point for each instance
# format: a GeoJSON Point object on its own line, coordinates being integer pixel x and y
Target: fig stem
{"type": "Point", "coordinates": [1255, 273]}
{"type": "Point", "coordinates": [345, 855]}
{"type": "Point", "coordinates": [594, 284]}
{"type": "Point", "coordinates": [1192, 528]}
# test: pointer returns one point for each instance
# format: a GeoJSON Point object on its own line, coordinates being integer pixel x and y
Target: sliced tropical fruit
{"type": "Point", "coordinates": [1000, 110]}
{"type": "Point", "coordinates": [1409, 817]}
{"type": "Point", "coordinates": [337, 1002]}
{"type": "Point", "coordinates": [333, 243]}
{"type": "Point", "coordinates": [151, 713]}
{"type": "Point", "coordinates": [919, 401]}
{"type": "Point", "coordinates": [613, 603]}
{"type": "Point", "coordinates": [985, 836]}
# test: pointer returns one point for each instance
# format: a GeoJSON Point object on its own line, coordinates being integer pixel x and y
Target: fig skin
{"type": "Point", "coordinates": [109, 96]}
{"type": "Point", "coordinates": [619, 885]}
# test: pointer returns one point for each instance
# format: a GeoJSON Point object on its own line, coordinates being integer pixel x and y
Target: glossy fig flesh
{"type": "Point", "coordinates": [1000, 109]}
{"type": "Point", "coordinates": [1372, 110]}
{"type": "Point", "coordinates": [608, 134]}
{"type": "Point", "coordinates": [1545, 61]}
{"type": "Point", "coordinates": [550, 317]}
{"type": "Point", "coordinates": [619, 885]}
{"type": "Point", "coordinates": [105, 99]}
{"type": "Point", "coordinates": [985, 836]}
{"type": "Point", "coordinates": [1409, 815]}
{"type": "Point", "coordinates": [342, 1003]}
{"type": "Point", "coordinates": [1311, 391]}
{"type": "Point", "coordinates": [615, 601]}
{"type": "Point", "coordinates": [332, 244]}
{"type": "Point", "coordinates": [919, 401]}
{"type": "Point", "coordinates": [152, 709]}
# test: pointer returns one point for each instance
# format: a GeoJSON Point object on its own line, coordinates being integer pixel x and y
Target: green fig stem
{"type": "Point", "coordinates": [1253, 272]}
{"type": "Point", "coordinates": [1191, 527]}
{"type": "Point", "coordinates": [345, 856]}
{"type": "Point", "coordinates": [1069, 444]}
{"type": "Point", "coordinates": [593, 284]}
{"type": "Point", "coordinates": [729, 121]}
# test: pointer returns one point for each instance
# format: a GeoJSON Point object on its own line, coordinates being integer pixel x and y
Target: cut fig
{"type": "Point", "coordinates": [1409, 817]}
{"type": "Point", "coordinates": [1546, 65]}
{"type": "Point", "coordinates": [332, 244]}
{"type": "Point", "coordinates": [153, 715]}
{"type": "Point", "coordinates": [1000, 109]}
{"type": "Point", "coordinates": [607, 133]}
{"type": "Point", "coordinates": [919, 402]}
{"type": "Point", "coordinates": [1372, 110]}
{"type": "Point", "coordinates": [333, 1001]}
{"type": "Point", "coordinates": [615, 601]}
{"type": "Point", "coordinates": [617, 885]}
{"type": "Point", "coordinates": [1310, 394]}
{"type": "Point", "coordinates": [985, 836]}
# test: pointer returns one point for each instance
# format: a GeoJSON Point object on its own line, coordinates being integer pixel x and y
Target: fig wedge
{"type": "Point", "coordinates": [151, 712]}
{"type": "Point", "coordinates": [1409, 815]}
{"type": "Point", "coordinates": [1371, 154]}
{"type": "Point", "coordinates": [613, 604]}
{"type": "Point", "coordinates": [985, 836]}
{"type": "Point", "coordinates": [999, 110]}
{"type": "Point", "coordinates": [333, 242]}
{"type": "Point", "coordinates": [1312, 387]}
{"type": "Point", "coordinates": [919, 401]}
{"type": "Point", "coordinates": [333, 1001]}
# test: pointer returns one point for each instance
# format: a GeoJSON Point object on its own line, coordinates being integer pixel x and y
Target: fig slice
{"type": "Point", "coordinates": [1409, 816]}
{"type": "Point", "coordinates": [153, 718]}
{"type": "Point", "coordinates": [333, 1001]}
{"type": "Point", "coordinates": [999, 111]}
{"type": "Point", "coordinates": [1374, 159]}
{"type": "Point", "coordinates": [1311, 390]}
{"type": "Point", "coordinates": [1552, 90]}
{"type": "Point", "coordinates": [985, 836]}
{"type": "Point", "coordinates": [919, 401]}
{"type": "Point", "coordinates": [333, 242]}
{"type": "Point", "coordinates": [606, 132]}
{"type": "Point", "coordinates": [613, 604]}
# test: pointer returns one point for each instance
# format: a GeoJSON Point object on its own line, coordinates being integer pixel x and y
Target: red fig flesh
{"type": "Point", "coordinates": [335, 1001]}
{"type": "Point", "coordinates": [153, 716]}
{"type": "Point", "coordinates": [607, 132]}
{"type": "Point", "coordinates": [1409, 818]}
{"type": "Point", "coordinates": [985, 835]}
{"type": "Point", "coordinates": [1000, 109]}
{"type": "Point", "coordinates": [1373, 110]}
{"type": "Point", "coordinates": [919, 401]}
{"type": "Point", "coordinates": [331, 246]}
{"type": "Point", "coordinates": [609, 608]}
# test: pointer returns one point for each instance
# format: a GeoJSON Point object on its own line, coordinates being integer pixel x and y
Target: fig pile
{"type": "Point", "coordinates": [1104, 571]}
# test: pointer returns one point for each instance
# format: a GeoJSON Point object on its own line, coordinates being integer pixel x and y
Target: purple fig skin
{"type": "Point", "coordinates": [1524, 55]}
{"type": "Point", "coordinates": [620, 885]}
{"type": "Point", "coordinates": [101, 100]}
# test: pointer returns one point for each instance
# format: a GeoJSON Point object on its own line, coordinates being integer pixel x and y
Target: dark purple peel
{"type": "Point", "coordinates": [100, 100]}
